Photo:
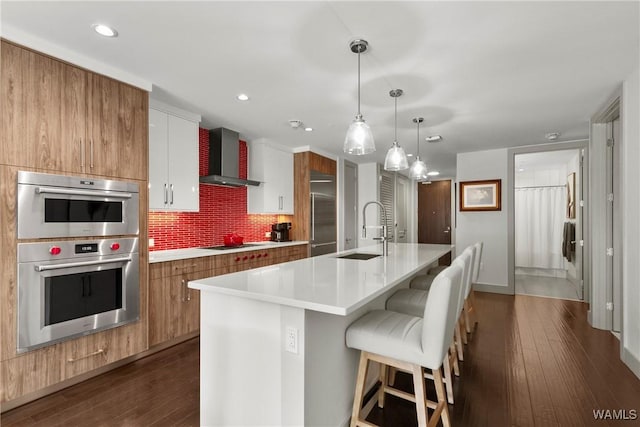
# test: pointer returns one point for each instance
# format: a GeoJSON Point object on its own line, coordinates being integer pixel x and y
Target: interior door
{"type": "Point", "coordinates": [434, 215]}
{"type": "Point", "coordinates": [350, 206]}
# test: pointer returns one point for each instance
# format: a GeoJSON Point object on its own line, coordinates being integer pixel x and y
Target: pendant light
{"type": "Point", "coordinates": [396, 159]}
{"type": "Point", "coordinates": [359, 139]}
{"type": "Point", "coordinates": [418, 169]}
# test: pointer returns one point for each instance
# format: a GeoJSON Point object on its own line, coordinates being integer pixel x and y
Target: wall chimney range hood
{"type": "Point", "coordinates": [224, 160]}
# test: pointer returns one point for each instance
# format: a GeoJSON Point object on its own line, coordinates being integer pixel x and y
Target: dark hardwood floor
{"type": "Point", "coordinates": [531, 362]}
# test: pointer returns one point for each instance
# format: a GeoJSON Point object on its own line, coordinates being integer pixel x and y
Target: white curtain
{"type": "Point", "coordinates": [540, 216]}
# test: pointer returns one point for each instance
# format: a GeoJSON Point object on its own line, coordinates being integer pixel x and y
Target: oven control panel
{"type": "Point", "coordinates": [43, 251]}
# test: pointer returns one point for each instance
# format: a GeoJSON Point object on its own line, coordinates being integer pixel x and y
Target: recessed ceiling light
{"type": "Point", "coordinates": [105, 30]}
{"type": "Point", "coordinates": [409, 155]}
{"type": "Point", "coordinates": [552, 136]}
{"type": "Point", "coordinates": [521, 170]}
{"type": "Point", "coordinates": [433, 173]}
{"type": "Point", "coordinates": [243, 97]}
{"type": "Point", "coordinates": [308, 129]}
{"type": "Point", "coordinates": [433, 138]}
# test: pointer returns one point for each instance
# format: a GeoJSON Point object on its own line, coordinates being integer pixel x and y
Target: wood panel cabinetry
{"type": "Point", "coordinates": [303, 164]}
{"type": "Point", "coordinates": [61, 118]}
{"type": "Point", "coordinates": [174, 308]}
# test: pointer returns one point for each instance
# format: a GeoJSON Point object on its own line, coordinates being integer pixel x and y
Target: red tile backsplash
{"type": "Point", "coordinates": [222, 210]}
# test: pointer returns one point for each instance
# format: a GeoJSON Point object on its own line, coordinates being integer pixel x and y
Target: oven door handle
{"type": "Point", "coordinates": [80, 264]}
{"type": "Point", "coordinates": [94, 193]}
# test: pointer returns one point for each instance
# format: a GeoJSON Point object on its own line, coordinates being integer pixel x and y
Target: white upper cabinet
{"type": "Point", "coordinates": [274, 169]}
{"type": "Point", "coordinates": [173, 159]}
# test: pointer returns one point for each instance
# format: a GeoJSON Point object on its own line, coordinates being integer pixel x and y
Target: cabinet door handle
{"type": "Point", "coordinates": [166, 192]}
{"type": "Point", "coordinates": [280, 202]}
{"type": "Point", "coordinates": [183, 296]}
{"type": "Point", "coordinates": [171, 200]}
{"type": "Point", "coordinates": [86, 356]}
{"type": "Point", "coordinates": [82, 153]}
{"type": "Point", "coordinates": [91, 155]}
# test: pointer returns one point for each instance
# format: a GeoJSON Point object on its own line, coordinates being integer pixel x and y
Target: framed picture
{"type": "Point", "coordinates": [571, 196]}
{"type": "Point", "coordinates": [480, 195]}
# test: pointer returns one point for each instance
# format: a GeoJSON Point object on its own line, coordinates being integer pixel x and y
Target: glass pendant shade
{"type": "Point", "coordinates": [359, 139]}
{"type": "Point", "coordinates": [418, 171]}
{"type": "Point", "coordinates": [396, 159]}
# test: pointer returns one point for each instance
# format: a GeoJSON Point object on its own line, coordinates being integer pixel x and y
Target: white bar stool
{"type": "Point", "coordinates": [408, 343]}
{"type": "Point", "coordinates": [470, 318]}
{"type": "Point", "coordinates": [412, 302]}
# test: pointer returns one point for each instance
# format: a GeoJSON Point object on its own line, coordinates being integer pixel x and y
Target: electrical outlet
{"type": "Point", "coordinates": [152, 243]}
{"type": "Point", "coordinates": [292, 340]}
{"type": "Point", "coordinates": [267, 234]}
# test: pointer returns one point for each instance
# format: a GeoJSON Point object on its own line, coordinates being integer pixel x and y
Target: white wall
{"type": "Point", "coordinates": [630, 115]}
{"type": "Point", "coordinates": [490, 227]}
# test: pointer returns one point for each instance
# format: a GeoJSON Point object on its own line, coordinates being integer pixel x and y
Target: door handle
{"type": "Point", "coordinates": [91, 155]}
{"type": "Point", "coordinates": [82, 154]}
{"type": "Point", "coordinates": [91, 193]}
{"type": "Point", "coordinates": [80, 264]}
{"type": "Point", "coordinates": [313, 217]}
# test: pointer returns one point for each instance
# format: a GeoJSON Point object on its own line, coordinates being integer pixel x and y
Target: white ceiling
{"type": "Point", "coordinates": [482, 74]}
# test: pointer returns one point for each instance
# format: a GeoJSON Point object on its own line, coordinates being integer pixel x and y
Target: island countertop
{"type": "Point", "coordinates": [327, 283]}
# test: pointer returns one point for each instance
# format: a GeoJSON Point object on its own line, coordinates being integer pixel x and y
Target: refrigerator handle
{"type": "Point", "coordinates": [313, 217]}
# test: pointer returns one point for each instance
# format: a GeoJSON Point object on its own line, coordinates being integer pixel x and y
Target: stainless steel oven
{"type": "Point", "coordinates": [73, 288]}
{"type": "Point", "coordinates": [67, 206]}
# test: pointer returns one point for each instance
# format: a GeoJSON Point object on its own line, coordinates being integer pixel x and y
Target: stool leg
{"type": "Point", "coordinates": [363, 367]}
{"type": "Point", "coordinates": [383, 380]}
{"type": "Point", "coordinates": [463, 325]}
{"type": "Point", "coordinates": [458, 340]}
{"type": "Point", "coordinates": [448, 378]}
{"type": "Point", "coordinates": [421, 396]}
{"type": "Point", "coordinates": [472, 308]}
{"type": "Point", "coordinates": [442, 409]}
{"type": "Point", "coordinates": [467, 316]}
{"type": "Point", "coordinates": [391, 375]}
{"type": "Point", "coordinates": [453, 356]}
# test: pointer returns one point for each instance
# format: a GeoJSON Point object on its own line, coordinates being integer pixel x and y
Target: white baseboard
{"type": "Point", "coordinates": [494, 289]}
{"type": "Point", "coordinates": [631, 361]}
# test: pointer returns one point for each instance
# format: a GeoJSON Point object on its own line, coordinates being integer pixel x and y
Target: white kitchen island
{"type": "Point", "coordinates": [272, 339]}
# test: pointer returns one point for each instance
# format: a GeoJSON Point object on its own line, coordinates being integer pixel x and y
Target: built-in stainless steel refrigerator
{"type": "Point", "coordinates": [323, 214]}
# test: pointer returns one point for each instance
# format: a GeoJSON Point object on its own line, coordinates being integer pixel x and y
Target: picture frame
{"type": "Point", "coordinates": [571, 195]}
{"type": "Point", "coordinates": [479, 196]}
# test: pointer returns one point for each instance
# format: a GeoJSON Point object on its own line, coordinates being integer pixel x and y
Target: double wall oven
{"type": "Point", "coordinates": [90, 280]}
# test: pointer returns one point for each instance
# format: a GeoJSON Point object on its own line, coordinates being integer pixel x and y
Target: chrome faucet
{"type": "Point", "coordinates": [384, 238]}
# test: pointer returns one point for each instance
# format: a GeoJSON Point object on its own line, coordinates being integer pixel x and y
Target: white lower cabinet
{"type": "Point", "coordinates": [274, 169]}
{"type": "Point", "coordinates": [173, 160]}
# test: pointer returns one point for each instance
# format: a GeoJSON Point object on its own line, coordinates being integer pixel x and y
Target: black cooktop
{"type": "Point", "coordinates": [224, 248]}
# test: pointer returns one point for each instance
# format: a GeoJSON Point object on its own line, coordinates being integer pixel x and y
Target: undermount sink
{"type": "Point", "coordinates": [363, 257]}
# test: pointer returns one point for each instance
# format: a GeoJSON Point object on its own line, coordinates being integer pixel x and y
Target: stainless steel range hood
{"type": "Point", "coordinates": [224, 160]}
